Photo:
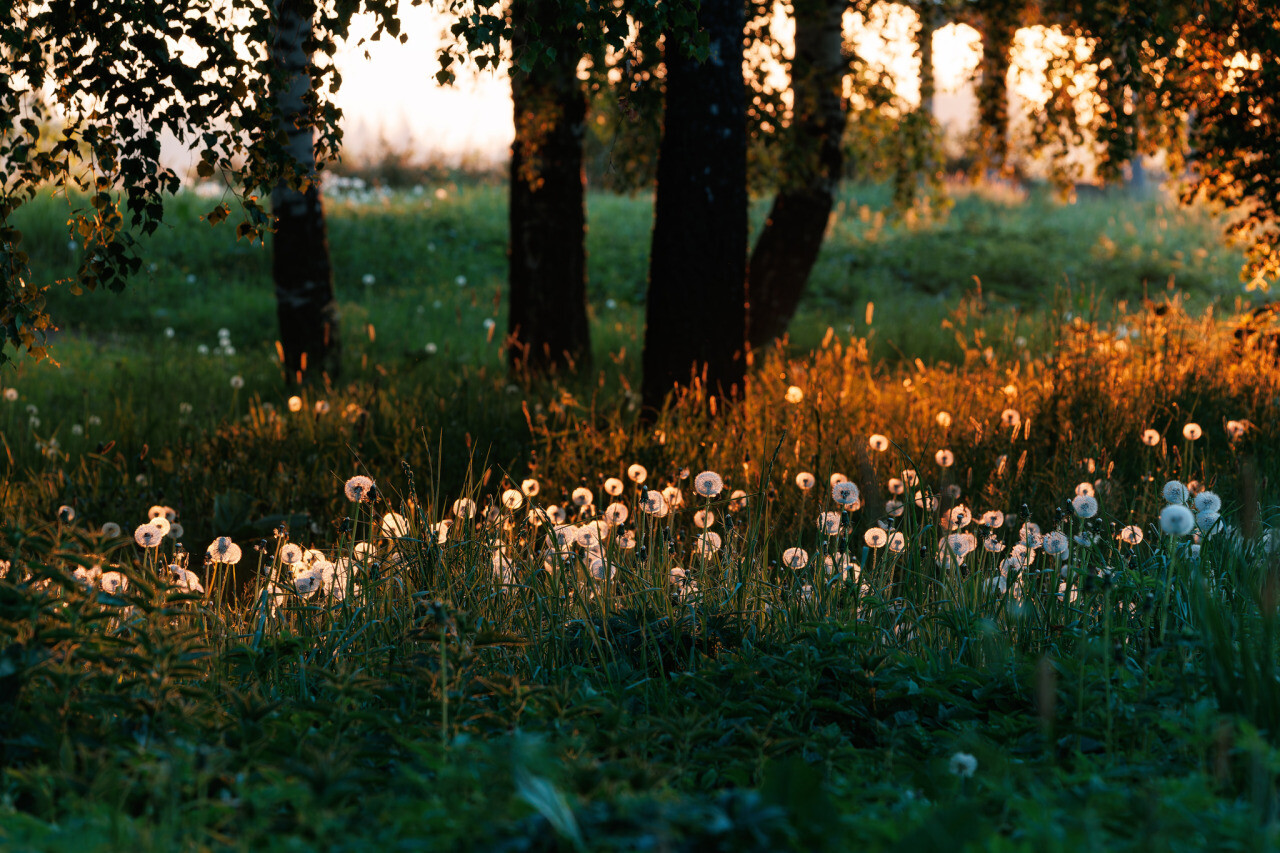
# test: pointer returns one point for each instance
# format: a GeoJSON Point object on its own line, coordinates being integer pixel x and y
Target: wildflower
{"type": "Point", "coordinates": [185, 579]}
{"type": "Point", "coordinates": [530, 488]}
{"type": "Point", "coordinates": [654, 503]}
{"type": "Point", "coordinates": [1192, 431]}
{"type": "Point", "coordinates": [1176, 520]}
{"type": "Point", "coordinates": [1021, 556]}
{"type": "Point", "coordinates": [1235, 429]}
{"type": "Point", "coordinates": [147, 536]}
{"type": "Point", "coordinates": [958, 544]}
{"type": "Point", "coordinates": [308, 581]}
{"type": "Point", "coordinates": [895, 486]}
{"type": "Point", "coordinates": [794, 394]}
{"type": "Point", "coordinates": [673, 496]}
{"type": "Point", "coordinates": [707, 542]}
{"type": "Point", "coordinates": [943, 419]}
{"type": "Point", "coordinates": [1085, 488]}
{"type": "Point", "coordinates": [1131, 535]}
{"type": "Point", "coordinates": [1056, 544]}
{"type": "Point", "coordinates": [897, 542]}
{"type": "Point", "coordinates": [358, 488]}
{"type": "Point", "coordinates": [162, 524]}
{"type": "Point", "coordinates": [237, 382]}
{"type": "Point", "coordinates": [910, 477]}
{"type": "Point", "coordinates": [893, 508]}
{"type": "Point", "coordinates": [11, 394]}
{"type": "Point", "coordinates": [1207, 520]}
{"type": "Point", "coordinates": [1085, 506]}
{"type": "Point", "coordinates": [1029, 534]}
{"type": "Point", "coordinates": [1207, 502]}
{"type": "Point", "coordinates": [1175, 493]}
{"type": "Point", "coordinates": [829, 523]}
{"type": "Point", "coordinates": [223, 550]}
{"type": "Point", "coordinates": [601, 569]}
{"type": "Point", "coordinates": [295, 404]}
{"type": "Point", "coordinates": [582, 496]}
{"type": "Point", "coordinates": [86, 577]}
{"type": "Point", "coordinates": [737, 500]}
{"type": "Point", "coordinates": [512, 499]}
{"type": "Point", "coordinates": [992, 544]}
{"type": "Point", "coordinates": [805, 480]}
{"type": "Point", "coordinates": [1150, 437]}
{"type": "Point", "coordinates": [1010, 418]}
{"type": "Point", "coordinates": [613, 486]}
{"type": "Point", "coordinates": [708, 484]}
{"type": "Point", "coordinates": [291, 554]}
{"type": "Point", "coordinates": [704, 518]}
{"type": "Point", "coordinates": [626, 540]}
{"type": "Point", "coordinates": [878, 443]}
{"type": "Point", "coordinates": [945, 458]}
{"type": "Point", "coordinates": [66, 514]}
{"type": "Point", "coordinates": [464, 508]}
{"type": "Point", "coordinates": [111, 530]}
{"type": "Point", "coordinates": [876, 537]}
{"type": "Point", "coordinates": [637, 474]}
{"type": "Point", "coordinates": [795, 558]}
{"type": "Point", "coordinates": [616, 513]}
{"type": "Point", "coordinates": [113, 582]}
{"type": "Point", "coordinates": [846, 495]}
{"type": "Point", "coordinates": [394, 526]}
{"type": "Point", "coordinates": [959, 517]}
{"type": "Point", "coordinates": [837, 477]}
{"type": "Point", "coordinates": [963, 765]}
{"type": "Point", "coordinates": [927, 501]}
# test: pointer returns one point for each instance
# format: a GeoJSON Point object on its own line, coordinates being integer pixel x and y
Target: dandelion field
{"type": "Point", "coordinates": [968, 568]}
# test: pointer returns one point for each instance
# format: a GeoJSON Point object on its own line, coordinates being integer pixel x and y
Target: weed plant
{"type": "Point", "coordinates": [1019, 595]}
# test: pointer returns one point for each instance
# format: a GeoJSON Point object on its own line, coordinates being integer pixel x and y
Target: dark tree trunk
{"type": "Point", "coordinates": [997, 26]}
{"type": "Point", "coordinates": [303, 276]}
{"type": "Point", "coordinates": [696, 312]}
{"type": "Point", "coordinates": [547, 324]}
{"type": "Point", "coordinates": [788, 246]}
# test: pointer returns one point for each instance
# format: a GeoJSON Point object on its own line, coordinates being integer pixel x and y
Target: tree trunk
{"type": "Point", "coordinates": [303, 275]}
{"type": "Point", "coordinates": [788, 246]}
{"type": "Point", "coordinates": [997, 26]}
{"type": "Point", "coordinates": [696, 312]}
{"type": "Point", "coordinates": [547, 323]}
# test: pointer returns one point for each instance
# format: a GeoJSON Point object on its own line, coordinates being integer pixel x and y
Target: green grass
{"type": "Point", "coordinates": [488, 691]}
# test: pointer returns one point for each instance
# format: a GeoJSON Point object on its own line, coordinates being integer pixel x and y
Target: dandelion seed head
{"type": "Point", "coordinates": [846, 494]}
{"type": "Point", "coordinates": [295, 404]}
{"type": "Point", "coordinates": [512, 499]}
{"type": "Point", "coordinates": [1235, 429]}
{"type": "Point", "coordinates": [161, 524]}
{"type": "Point", "coordinates": [530, 488]}
{"type": "Point", "coordinates": [613, 487]}
{"type": "Point", "coordinates": [1056, 544]}
{"type": "Point", "coordinates": [894, 509]}
{"type": "Point", "coordinates": [1207, 502]}
{"type": "Point", "coordinates": [878, 443]}
{"type": "Point", "coordinates": [1192, 431]}
{"type": "Point", "coordinates": [1085, 506]}
{"type": "Point", "coordinates": [795, 558]}
{"type": "Point", "coordinates": [1176, 520]}
{"type": "Point", "coordinates": [704, 518]}
{"type": "Point", "coordinates": [1010, 418]}
{"type": "Point", "coordinates": [358, 488]}
{"type": "Point", "coordinates": [708, 484]}
{"type": "Point", "coordinates": [237, 382]}
{"type": "Point", "coordinates": [1175, 492]}
{"type": "Point", "coordinates": [896, 486]}
{"type": "Point", "coordinates": [945, 458]}
{"type": "Point", "coordinates": [829, 523]}
{"type": "Point", "coordinates": [464, 508]}
{"type": "Point", "coordinates": [111, 530]}
{"type": "Point", "coordinates": [66, 514]}
{"type": "Point", "coordinates": [910, 477]}
{"type": "Point", "coordinates": [1131, 535]}
{"type": "Point", "coordinates": [395, 526]}
{"type": "Point", "coordinates": [959, 517]}
{"type": "Point", "coordinates": [794, 395]}
{"type": "Point", "coordinates": [897, 542]}
{"type": "Point", "coordinates": [876, 537]}
{"type": "Point", "coordinates": [10, 394]}
{"type": "Point", "coordinates": [616, 513]}
{"type": "Point", "coordinates": [582, 496]}
{"type": "Point", "coordinates": [963, 764]}
{"type": "Point", "coordinates": [637, 473]}
{"type": "Point", "coordinates": [992, 518]}
{"type": "Point", "coordinates": [1150, 437]}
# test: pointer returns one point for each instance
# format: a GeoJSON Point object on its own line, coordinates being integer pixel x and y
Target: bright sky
{"type": "Point", "coordinates": [392, 102]}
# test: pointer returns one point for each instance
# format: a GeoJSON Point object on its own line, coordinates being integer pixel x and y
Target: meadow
{"type": "Point", "coordinates": [983, 559]}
